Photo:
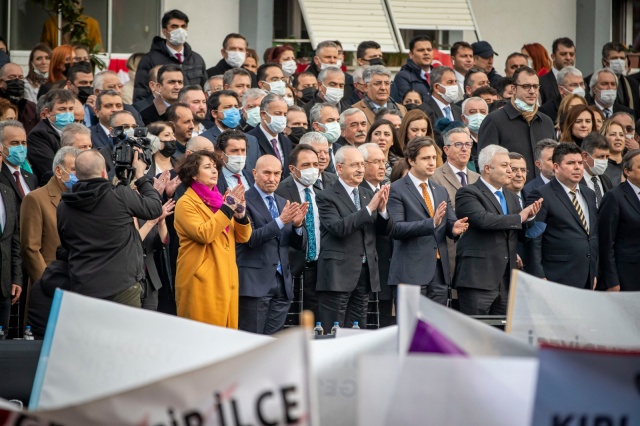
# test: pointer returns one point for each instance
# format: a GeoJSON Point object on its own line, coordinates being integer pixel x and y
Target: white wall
{"type": "Point", "coordinates": [209, 22]}
{"type": "Point", "coordinates": [509, 24]}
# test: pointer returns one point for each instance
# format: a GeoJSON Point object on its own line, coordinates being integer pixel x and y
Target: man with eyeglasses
{"type": "Point", "coordinates": [119, 120]}
{"type": "Point", "coordinates": [12, 89]}
{"type": "Point", "coordinates": [225, 111]}
{"type": "Point", "coordinates": [570, 81]}
{"type": "Point", "coordinates": [455, 174]}
{"type": "Point", "coordinates": [519, 125]}
{"type": "Point", "coordinates": [378, 94]}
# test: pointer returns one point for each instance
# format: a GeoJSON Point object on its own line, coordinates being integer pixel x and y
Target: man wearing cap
{"type": "Point", "coordinates": [483, 59]}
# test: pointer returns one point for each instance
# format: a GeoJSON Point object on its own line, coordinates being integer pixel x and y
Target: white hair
{"type": "Point", "coordinates": [98, 79]}
{"type": "Point", "coordinates": [488, 152]}
{"type": "Point", "coordinates": [368, 73]}
{"type": "Point", "coordinates": [594, 77]}
{"type": "Point", "coordinates": [329, 70]}
{"type": "Point", "coordinates": [364, 149]}
{"type": "Point", "coordinates": [357, 74]}
{"type": "Point", "coordinates": [58, 159]}
{"type": "Point", "coordinates": [473, 98]}
{"type": "Point", "coordinates": [347, 113]}
{"type": "Point", "coordinates": [313, 137]}
{"type": "Point", "coordinates": [316, 111]}
{"type": "Point", "coordinates": [566, 71]}
{"type": "Point", "coordinates": [252, 95]}
{"type": "Point", "coordinates": [342, 152]}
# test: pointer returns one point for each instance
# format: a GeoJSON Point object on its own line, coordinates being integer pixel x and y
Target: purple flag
{"type": "Point", "coordinates": [427, 339]}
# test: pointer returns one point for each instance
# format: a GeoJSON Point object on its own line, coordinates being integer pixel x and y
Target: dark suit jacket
{"type": "Point", "coordinates": [342, 105]}
{"type": "Point", "coordinates": [431, 108]}
{"type": "Point", "coordinates": [99, 138]}
{"type": "Point", "coordinates": [489, 245]}
{"type": "Point", "coordinates": [265, 147]}
{"type": "Point", "coordinates": [222, 182]}
{"type": "Point", "coordinates": [258, 258]}
{"type": "Point", "coordinates": [531, 185]}
{"type": "Point", "coordinates": [415, 239]}
{"type": "Point", "coordinates": [253, 151]}
{"type": "Point", "coordinates": [550, 108]}
{"type": "Point", "coordinates": [624, 97]}
{"type": "Point", "coordinates": [619, 227]}
{"type": "Point", "coordinates": [605, 183]}
{"type": "Point", "coordinates": [567, 254]}
{"type": "Point", "coordinates": [7, 179]}
{"type": "Point", "coordinates": [11, 261]}
{"type": "Point", "coordinates": [126, 107]}
{"type": "Point", "coordinates": [506, 127]}
{"type": "Point", "coordinates": [347, 235]}
{"type": "Point", "coordinates": [151, 245]}
{"type": "Point", "coordinates": [549, 88]}
{"type": "Point", "coordinates": [156, 111]}
{"type": "Point", "coordinates": [43, 142]}
{"type": "Point", "coordinates": [328, 179]}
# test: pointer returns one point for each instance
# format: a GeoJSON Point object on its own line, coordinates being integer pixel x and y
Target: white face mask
{"type": "Point", "coordinates": [308, 176]}
{"type": "Point", "coordinates": [178, 36]}
{"type": "Point", "coordinates": [599, 166]}
{"type": "Point", "coordinates": [618, 66]}
{"type": "Point", "coordinates": [578, 91]}
{"type": "Point", "coordinates": [339, 63]}
{"type": "Point", "coordinates": [235, 163]}
{"type": "Point", "coordinates": [289, 67]}
{"type": "Point", "coordinates": [608, 97]}
{"type": "Point", "coordinates": [450, 93]}
{"type": "Point", "coordinates": [235, 58]}
{"type": "Point", "coordinates": [325, 66]}
{"type": "Point", "coordinates": [530, 63]}
{"type": "Point", "coordinates": [129, 132]}
{"type": "Point", "coordinates": [331, 131]}
{"type": "Point", "coordinates": [289, 101]}
{"type": "Point", "coordinates": [253, 116]}
{"type": "Point", "coordinates": [277, 124]}
{"type": "Point", "coordinates": [333, 95]}
{"type": "Point", "coordinates": [277, 87]}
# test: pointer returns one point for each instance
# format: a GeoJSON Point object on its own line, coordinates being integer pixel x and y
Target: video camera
{"type": "Point", "coordinates": [124, 150]}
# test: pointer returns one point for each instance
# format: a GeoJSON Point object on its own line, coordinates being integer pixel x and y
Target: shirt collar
{"type": "Point", "coordinates": [347, 187]}
{"type": "Point", "coordinates": [555, 72]}
{"type": "Point", "coordinates": [373, 188]}
{"type": "Point", "coordinates": [301, 187]}
{"type": "Point", "coordinates": [455, 170]}
{"type": "Point", "coordinates": [12, 168]}
{"type": "Point", "coordinates": [459, 77]}
{"type": "Point", "coordinates": [544, 179]}
{"type": "Point", "coordinates": [441, 105]}
{"type": "Point", "coordinates": [491, 187]}
{"type": "Point", "coordinates": [267, 134]}
{"type": "Point", "coordinates": [567, 190]}
{"type": "Point", "coordinates": [173, 51]}
{"type": "Point", "coordinates": [106, 131]}
{"type": "Point", "coordinates": [417, 182]}
{"type": "Point", "coordinates": [263, 195]}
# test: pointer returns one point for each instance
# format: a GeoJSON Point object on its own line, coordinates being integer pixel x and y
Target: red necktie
{"type": "Point", "coordinates": [16, 175]}
{"type": "Point", "coordinates": [238, 178]}
{"type": "Point", "coordinates": [179, 56]}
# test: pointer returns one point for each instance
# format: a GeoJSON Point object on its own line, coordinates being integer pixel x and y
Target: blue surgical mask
{"type": "Point", "coordinates": [72, 179]}
{"type": "Point", "coordinates": [523, 106]}
{"type": "Point", "coordinates": [17, 155]}
{"type": "Point", "coordinates": [63, 119]}
{"type": "Point", "coordinates": [253, 116]}
{"type": "Point", "coordinates": [231, 118]}
{"type": "Point", "coordinates": [475, 120]}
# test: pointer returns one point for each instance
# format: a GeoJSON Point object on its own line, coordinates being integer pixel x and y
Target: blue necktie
{"type": "Point", "coordinates": [447, 112]}
{"type": "Point", "coordinates": [356, 198]}
{"type": "Point", "coordinates": [311, 227]}
{"type": "Point", "coordinates": [503, 202]}
{"type": "Point", "coordinates": [273, 209]}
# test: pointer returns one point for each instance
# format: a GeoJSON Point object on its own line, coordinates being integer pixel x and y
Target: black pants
{"type": "Point", "coordinates": [346, 307]}
{"type": "Point", "coordinates": [386, 313]}
{"type": "Point", "coordinates": [437, 290]}
{"type": "Point", "coordinates": [309, 294]}
{"type": "Point", "coordinates": [5, 313]}
{"type": "Point", "coordinates": [474, 301]}
{"type": "Point", "coordinates": [265, 315]}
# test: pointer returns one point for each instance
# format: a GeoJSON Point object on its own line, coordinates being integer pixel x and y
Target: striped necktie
{"type": "Point", "coordinates": [576, 204]}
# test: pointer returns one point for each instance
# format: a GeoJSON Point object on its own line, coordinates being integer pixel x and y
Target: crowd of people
{"type": "Point", "coordinates": [259, 175]}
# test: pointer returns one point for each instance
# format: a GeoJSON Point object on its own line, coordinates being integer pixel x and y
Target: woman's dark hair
{"type": "Point", "coordinates": [158, 127]}
{"type": "Point", "coordinates": [190, 165]}
{"type": "Point", "coordinates": [398, 170]}
{"type": "Point", "coordinates": [572, 117]}
{"type": "Point", "coordinates": [32, 76]}
{"type": "Point", "coordinates": [409, 118]}
{"type": "Point", "coordinates": [383, 122]}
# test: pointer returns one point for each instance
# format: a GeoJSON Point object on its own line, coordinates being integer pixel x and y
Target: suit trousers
{"type": "Point", "coordinates": [5, 313]}
{"type": "Point", "coordinates": [265, 315]}
{"type": "Point", "coordinates": [346, 307]}
{"type": "Point", "coordinates": [309, 294]}
{"type": "Point", "coordinates": [437, 290]}
{"type": "Point", "coordinates": [149, 296]}
{"type": "Point", "coordinates": [386, 313]}
{"type": "Point", "coordinates": [475, 301]}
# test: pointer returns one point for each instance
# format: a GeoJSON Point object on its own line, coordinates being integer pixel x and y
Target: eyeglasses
{"type": "Point", "coordinates": [376, 162]}
{"type": "Point", "coordinates": [355, 165]}
{"type": "Point", "coordinates": [81, 121]}
{"type": "Point", "coordinates": [528, 87]}
{"type": "Point", "coordinates": [459, 145]}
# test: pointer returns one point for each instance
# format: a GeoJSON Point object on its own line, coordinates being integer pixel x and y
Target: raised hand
{"type": "Point", "coordinates": [439, 213]}
{"type": "Point", "coordinates": [289, 212]}
{"type": "Point", "coordinates": [160, 182]}
{"type": "Point", "coordinates": [171, 185]}
{"type": "Point", "coordinates": [531, 210]}
{"type": "Point", "coordinates": [167, 210]}
{"type": "Point", "coordinates": [460, 226]}
{"type": "Point", "coordinates": [301, 214]}
{"type": "Point", "coordinates": [384, 197]}
{"type": "Point", "coordinates": [375, 201]}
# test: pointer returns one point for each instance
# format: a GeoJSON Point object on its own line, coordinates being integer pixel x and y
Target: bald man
{"type": "Point", "coordinates": [266, 285]}
{"type": "Point", "coordinates": [199, 143]}
{"type": "Point", "coordinates": [96, 227]}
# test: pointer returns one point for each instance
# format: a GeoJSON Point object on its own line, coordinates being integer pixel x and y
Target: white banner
{"type": "Point", "coordinates": [94, 348]}
{"type": "Point", "coordinates": [545, 312]}
{"type": "Point", "coordinates": [578, 387]}
{"type": "Point", "coordinates": [472, 336]}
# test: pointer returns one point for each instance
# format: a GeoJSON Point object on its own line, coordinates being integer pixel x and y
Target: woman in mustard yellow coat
{"type": "Point", "coordinates": [208, 225]}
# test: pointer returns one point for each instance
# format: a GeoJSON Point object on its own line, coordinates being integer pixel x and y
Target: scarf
{"type": "Point", "coordinates": [212, 198]}
{"type": "Point", "coordinates": [526, 115]}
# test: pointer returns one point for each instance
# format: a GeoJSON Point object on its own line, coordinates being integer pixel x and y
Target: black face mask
{"type": "Point", "coordinates": [15, 89]}
{"type": "Point", "coordinates": [410, 107]}
{"type": "Point", "coordinates": [308, 94]}
{"type": "Point", "coordinates": [66, 69]}
{"type": "Point", "coordinates": [376, 61]}
{"type": "Point", "coordinates": [83, 93]}
{"type": "Point", "coordinates": [296, 134]}
{"type": "Point", "coordinates": [169, 149]}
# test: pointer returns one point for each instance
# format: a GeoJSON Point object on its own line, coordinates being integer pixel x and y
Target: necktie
{"type": "Point", "coordinates": [179, 56]}
{"type": "Point", "coordinates": [503, 201]}
{"type": "Point", "coordinates": [596, 188]}
{"type": "Point", "coordinates": [463, 178]}
{"type": "Point", "coordinates": [319, 184]}
{"type": "Point", "coordinates": [311, 227]}
{"type": "Point", "coordinates": [356, 198]}
{"type": "Point", "coordinates": [273, 209]}
{"type": "Point", "coordinates": [274, 145]}
{"type": "Point", "coordinates": [427, 201]}
{"type": "Point", "coordinates": [576, 204]}
{"type": "Point", "coordinates": [238, 178]}
{"type": "Point", "coordinates": [447, 112]}
{"type": "Point", "coordinates": [16, 175]}
{"type": "Point", "coordinates": [607, 113]}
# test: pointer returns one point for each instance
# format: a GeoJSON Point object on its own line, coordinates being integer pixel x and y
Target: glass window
{"type": "Point", "coordinates": [27, 21]}
{"type": "Point", "coordinates": [135, 23]}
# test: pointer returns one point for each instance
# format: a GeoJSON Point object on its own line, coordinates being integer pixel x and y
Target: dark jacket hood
{"type": "Point", "coordinates": [159, 44]}
{"type": "Point", "coordinates": [86, 194]}
{"type": "Point", "coordinates": [411, 66]}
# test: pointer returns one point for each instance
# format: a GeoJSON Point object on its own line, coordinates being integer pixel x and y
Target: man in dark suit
{"type": "Point", "coordinates": [11, 263]}
{"type": "Point", "coordinates": [224, 106]}
{"type": "Point", "coordinates": [604, 89]}
{"type": "Point", "coordinates": [11, 77]}
{"type": "Point", "coordinates": [569, 81]}
{"type": "Point", "coordinates": [542, 153]}
{"type": "Point", "coordinates": [266, 285]}
{"type": "Point", "coordinates": [330, 91]}
{"type": "Point", "coordinates": [350, 219]}
{"type": "Point", "coordinates": [444, 93]}
{"type": "Point", "coordinates": [418, 207]}
{"type": "Point", "coordinates": [486, 254]}
{"type": "Point", "coordinates": [568, 253]}
{"type": "Point", "coordinates": [619, 227]}
{"type": "Point", "coordinates": [107, 102]}
{"type": "Point", "coordinates": [108, 80]}
{"type": "Point", "coordinates": [170, 82]}
{"type": "Point", "coordinates": [44, 139]}
{"type": "Point", "coordinates": [300, 187]}
{"type": "Point", "coordinates": [273, 120]}
{"type": "Point", "coordinates": [595, 157]}
{"type": "Point", "coordinates": [232, 147]}
{"type": "Point", "coordinates": [14, 152]}
{"type": "Point", "coordinates": [563, 54]}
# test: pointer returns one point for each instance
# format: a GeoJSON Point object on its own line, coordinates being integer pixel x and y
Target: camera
{"type": "Point", "coordinates": [124, 151]}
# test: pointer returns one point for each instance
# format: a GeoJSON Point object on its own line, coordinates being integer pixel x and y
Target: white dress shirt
{"type": "Point", "coordinates": [581, 201]}
{"type": "Point", "coordinates": [232, 182]}
{"type": "Point", "coordinates": [23, 183]}
{"type": "Point", "coordinates": [544, 179]}
{"type": "Point", "coordinates": [349, 189]}
{"type": "Point", "coordinates": [587, 179]}
{"type": "Point", "coordinates": [316, 215]}
{"type": "Point", "coordinates": [269, 138]}
{"type": "Point", "coordinates": [173, 52]}
{"type": "Point", "coordinates": [493, 190]}
{"type": "Point", "coordinates": [456, 171]}
{"type": "Point", "coordinates": [442, 106]}
{"type": "Point", "coordinates": [3, 214]}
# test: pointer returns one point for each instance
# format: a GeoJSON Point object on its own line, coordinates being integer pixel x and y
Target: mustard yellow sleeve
{"type": "Point", "coordinates": [190, 221]}
{"type": "Point", "coordinates": [242, 232]}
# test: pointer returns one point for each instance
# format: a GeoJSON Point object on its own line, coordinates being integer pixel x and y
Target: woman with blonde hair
{"type": "Point", "coordinates": [614, 131]}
